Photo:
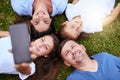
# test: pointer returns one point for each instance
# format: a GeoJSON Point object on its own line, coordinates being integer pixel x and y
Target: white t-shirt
{"type": "Point", "coordinates": [24, 7]}
{"type": "Point", "coordinates": [92, 12]}
{"type": "Point", "coordinates": [6, 59]}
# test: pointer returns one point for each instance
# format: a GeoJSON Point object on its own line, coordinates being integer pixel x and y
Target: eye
{"type": "Point", "coordinates": [42, 40]}
{"type": "Point", "coordinates": [72, 46]}
{"type": "Point", "coordinates": [78, 30]}
{"type": "Point", "coordinates": [36, 22]}
{"type": "Point", "coordinates": [46, 21]}
{"type": "Point", "coordinates": [72, 26]}
{"type": "Point", "coordinates": [45, 46]}
{"type": "Point", "coordinates": [66, 52]}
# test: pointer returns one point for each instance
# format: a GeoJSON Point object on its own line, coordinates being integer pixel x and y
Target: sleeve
{"type": "Point", "coordinates": [22, 7]}
{"type": "Point", "coordinates": [71, 11]}
{"type": "Point", "coordinates": [76, 75]}
{"type": "Point", "coordinates": [115, 59]}
{"type": "Point", "coordinates": [92, 26]}
{"type": "Point", "coordinates": [23, 76]}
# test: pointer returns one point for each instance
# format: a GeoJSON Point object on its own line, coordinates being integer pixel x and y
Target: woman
{"type": "Point", "coordinates": [44, 46]}
{"type": "Point", "coordinates": [88, 16]}
{"type": "Point", "coordinates": [33, 32]}
{"type": "Point", "coordinates": [40, 11]}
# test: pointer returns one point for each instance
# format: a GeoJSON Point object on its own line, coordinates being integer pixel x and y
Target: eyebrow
{"type": "Point", "coordinates": [66, 52]}
{"type": "Point", "coordinates": [67, 49]}
{"type": "Point", "coordinates": [47, 44]}
{"type": "Point", "coordinates": [72, 45]}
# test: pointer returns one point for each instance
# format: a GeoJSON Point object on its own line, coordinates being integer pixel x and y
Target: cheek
{"type": "Point", "coordinates": [69, 57]}
{"type": "Point", "coordinates": [43, 51]}
{"type": "Point", "coordinates": [32, 49]}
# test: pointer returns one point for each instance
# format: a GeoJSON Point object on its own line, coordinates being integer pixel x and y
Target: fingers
{"type": "Point", "coordinates": [10, 50]}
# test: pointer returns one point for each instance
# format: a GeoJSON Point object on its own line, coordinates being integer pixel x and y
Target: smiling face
{"type": "Point", "coordinates": [41, 20]}
{"type": "Point", "coordinates": [73, 53]}
{"type": "Point", "coordinates": [73, 28]}
{"type": "Point", "coordinates": [42, 46]}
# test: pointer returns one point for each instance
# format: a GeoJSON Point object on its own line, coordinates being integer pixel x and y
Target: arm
{"type": "Point", "coordinates": [26, 68]}
{"type": "Point", "coordinates": [23, 68]}
{"type": "Point", "coordinates": [110, 18]}
{"type": "Point", "coordinates": [74, 1]}
{"type": "Point", "coordinates": [4, 33]}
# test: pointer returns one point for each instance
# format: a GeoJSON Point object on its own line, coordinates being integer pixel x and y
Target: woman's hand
{"type": "Point", "coordinates": [23, 68]}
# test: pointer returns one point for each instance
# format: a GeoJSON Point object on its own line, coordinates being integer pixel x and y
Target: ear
{"type": "Point", "coordinates": [64, 23]}
{"type": "Point", "coordinates": [31, 21]}
{"type": "Point", "coordinates": [46, 56]}
{"type": "Point", "coordinates": [50, 19]}
{"type": "Point", "coordinates": [83, 47]}
{"type": "Point", "coordinates": [67, 64]}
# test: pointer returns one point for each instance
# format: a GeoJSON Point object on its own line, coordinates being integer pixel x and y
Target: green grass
{"type": "Point", "coordinates": [107, 40]}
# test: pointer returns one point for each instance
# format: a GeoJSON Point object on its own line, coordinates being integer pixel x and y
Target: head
{"type": "Point", "coordinates": [36, 34]}
{"type": "Point", "coordinates": [72, 53]}
{"type": "Point", "coordinates": [71, 29]}
{"type": "Point", "coordinates": [41, 20]}
{"type": "Point", "coordinates": [44, 46]}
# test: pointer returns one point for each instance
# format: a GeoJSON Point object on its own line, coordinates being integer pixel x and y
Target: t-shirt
{"type": "Point", "coordinates": [24, 7]}
{"type": "Point", "coordinates": [6, 59]}
{"type": "Point", "coordinates": [108, 69]}
{"type": "Point", "coordinates": [92, 12]}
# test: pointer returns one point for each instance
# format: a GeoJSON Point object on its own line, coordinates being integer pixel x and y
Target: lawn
{"type": "Point", "coordinates": [107, 40]}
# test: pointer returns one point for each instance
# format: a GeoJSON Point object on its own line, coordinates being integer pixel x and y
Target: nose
{"type": "Point", "coordinates": [73, 51]}
{"type": "Point", "coordinates": [40, 15]}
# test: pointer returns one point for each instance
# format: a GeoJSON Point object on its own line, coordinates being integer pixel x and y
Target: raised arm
{"type": "Point", "coordinates": [110, 18]}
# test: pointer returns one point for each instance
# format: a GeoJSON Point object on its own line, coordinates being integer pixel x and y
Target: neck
{"type": "Point", "coordinates": [88, 65]}
{"type": "Point", "coordinates": [42, 4]}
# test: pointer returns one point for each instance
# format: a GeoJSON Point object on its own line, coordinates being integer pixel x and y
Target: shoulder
{"type": "Point", "coordinates": [75, 75]}
{"type": "Point", "coordinates": [101, 54]}
{"type": "Point", "coordinates": [59, 6]}
{"type": "Point", "coordinates": [21, 7]}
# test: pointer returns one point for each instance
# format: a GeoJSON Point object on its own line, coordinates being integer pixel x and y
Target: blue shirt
{"type": "Point", "coordinates": [108, 69]}
{"type": "Point", "coordinates": [24, 7]}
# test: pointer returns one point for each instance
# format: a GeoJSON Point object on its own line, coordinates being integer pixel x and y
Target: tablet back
{"type": "Point", "coordinates": [20, 40]}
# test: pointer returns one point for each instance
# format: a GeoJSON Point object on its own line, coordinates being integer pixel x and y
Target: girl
{"type": "Point", "coordinates": [44, 46]}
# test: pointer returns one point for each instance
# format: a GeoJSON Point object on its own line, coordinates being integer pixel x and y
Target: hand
{"type": "Point", "coordinates": [10, 50]}
{"type": "Point", "coordinates": [23, 68]}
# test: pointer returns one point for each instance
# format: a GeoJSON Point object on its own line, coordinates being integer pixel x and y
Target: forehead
{"type": "Point", "coordinates": [48, 38]}
{"type": "Point", "coordinates": [67, 45]}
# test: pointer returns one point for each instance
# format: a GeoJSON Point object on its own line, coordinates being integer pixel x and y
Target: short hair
{"type": "Point", "coordinates": [61, 46]}
{"type": "Point", "coordinates": [65, 35]}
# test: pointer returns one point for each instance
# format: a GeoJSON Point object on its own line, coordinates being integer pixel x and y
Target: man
{"type": "Point", "coordinates": [102, 66]}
